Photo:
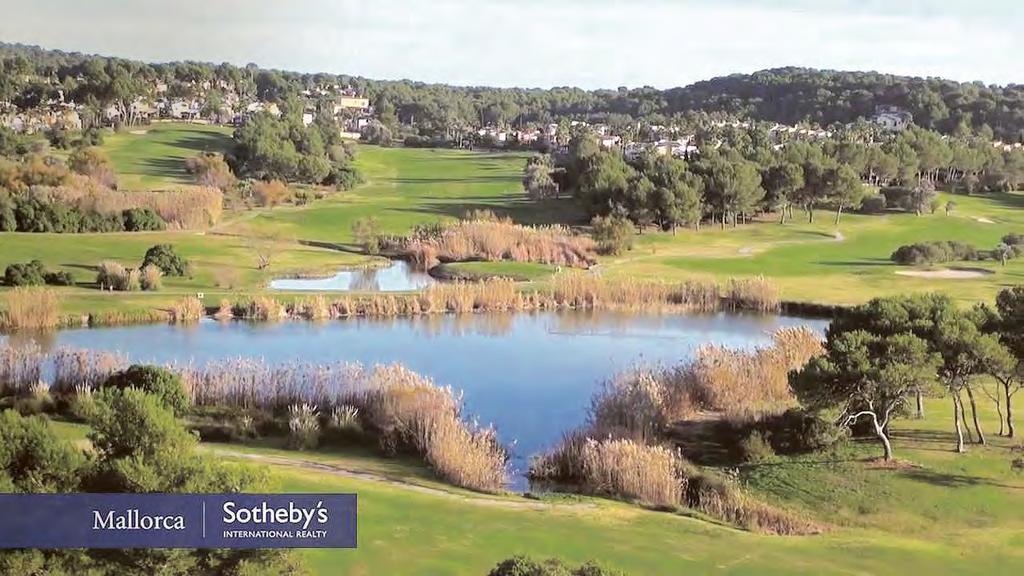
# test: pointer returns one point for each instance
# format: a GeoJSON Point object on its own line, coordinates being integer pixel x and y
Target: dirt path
{"type": "Point", "coordinates": [481, 500]}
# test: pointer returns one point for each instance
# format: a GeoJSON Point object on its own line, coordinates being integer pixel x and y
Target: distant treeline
{"type": "Point", "coordinates": [30, 75]}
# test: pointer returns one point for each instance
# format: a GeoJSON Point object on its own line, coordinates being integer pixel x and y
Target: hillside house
{"type": "Point", "coordinates": [892, 119]}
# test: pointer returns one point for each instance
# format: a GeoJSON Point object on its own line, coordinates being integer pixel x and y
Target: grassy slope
{"type": "Point", "coordinates": [406, 187]}
{"type": "Point", "coordinates": [945, 514]}
{"type": "Point", "coordinates": [153, 157]}
{"type": "Point", "coordinates": [810, 264]}
{"type": "Point", "coordinates": [410, 186]}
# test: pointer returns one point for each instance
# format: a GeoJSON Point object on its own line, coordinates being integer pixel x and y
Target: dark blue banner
{"type": "Point", "coordinates": [177, 520]}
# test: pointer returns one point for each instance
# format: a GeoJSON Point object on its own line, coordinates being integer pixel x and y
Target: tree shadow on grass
{"type": "Point", "coordinates": [166, 168]}
{"type": "Point", "coordinates": [444, 180]}
{"type": "Point", "coordinates": [208, 142]}
{"type": "Point", "coordinates": [862, 262]}
{"type": "Point", "coordinates": [86, 267]}
{"type": "Point", "coordinates": [543, 213]}
{"type": "Point", "coordinates": [1005, 199]}
{"type": "Point", "coordinates": [948, 480]}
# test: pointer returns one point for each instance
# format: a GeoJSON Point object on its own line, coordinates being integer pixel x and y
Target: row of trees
{"type": "Point", "coordinates": [282, 148]}
{"type": "Point", "coordinates": [743, 173]}
{"type": "Point", "coordinates": [30, 75]}
{"type": "Point", "coordinates": [882, 355]}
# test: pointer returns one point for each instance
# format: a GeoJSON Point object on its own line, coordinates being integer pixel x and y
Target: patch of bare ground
{"type": "Point", "coordinates": [894, 464]}
{"type": "Point", "coordinates": [947, 273]}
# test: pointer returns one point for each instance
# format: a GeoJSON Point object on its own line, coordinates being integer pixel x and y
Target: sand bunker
{"type": "Point", "coordinates": [139, 132]}
{"type": "Point", "coordinates": [947, 273]}
{"type": "Point", "coordinates": [984, 221]}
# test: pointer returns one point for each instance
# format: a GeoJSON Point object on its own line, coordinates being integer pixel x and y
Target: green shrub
{"type": "Point", "coordinates": [934, 252]}
{"type": "Point", "coordinates": [142, 220]}
{"type": "Point", "coordinates": [160, 382]}
{"type": "Point", "coordinates": [34, 459]}
{"type": "Point", "coordinates": [613, 235]}
{"type": "Point", "coordinates": [166, 259]}
{"type": "Point", "coordinates": [755, 448]}
{"type": "Point", "coordinates": [30, 274]}
{"type": "Point", "coordinates": [523, 566]}
{"type": "Point", "coordinates": [59, 278]}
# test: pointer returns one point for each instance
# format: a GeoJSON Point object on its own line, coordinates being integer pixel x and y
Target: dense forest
{"type": "Point", "coordinates": [786, 95]}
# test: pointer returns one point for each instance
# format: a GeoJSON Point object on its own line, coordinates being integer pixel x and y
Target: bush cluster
{"type": "Point", "coordinates": [794, 431]}
{"type": "Point", "coordinates": [934, 252]}
{"type": "Point", "coordinates": [159, 382]}
{"type": "Point", "coordinates": [34, 273]}
{"type": "Point", "coordinates": [28, 213]}
{"type": "Point", "coordinates": [523, 566]}
{"type": "Point", "coordinates": [613, 235]}
{"type": "Point", "coordinates": [166, 259]}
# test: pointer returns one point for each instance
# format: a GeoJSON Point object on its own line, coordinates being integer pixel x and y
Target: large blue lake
{"type": "Point", "coordinates": [529, 374]}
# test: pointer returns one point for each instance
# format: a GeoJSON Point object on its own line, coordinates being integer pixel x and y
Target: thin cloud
{"type": "Point", "coordinates": [594, 43]}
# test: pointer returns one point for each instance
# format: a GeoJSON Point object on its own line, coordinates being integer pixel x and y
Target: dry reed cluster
{"type": "Point", "coordinates": [75, 369]}
{"type": "Point", "coordinates": [493, 239]}
{"type": "Point", "coordinates": [126, 317]}
{"type": "Point", "coordinates": [188, 309]}
{"type": "Point", "coordinates": [743, 385]}
{"type": "Point", "coordinates": [736, 384]}
{"type": "Point", "coordinates": [403, 410]}
{"type": "Point", "coordinates": [34, 307]}
{"type": "Point", "coordinates": [622, 468]}
{"type": "Point", "coordinates": [565, 291]}
{"type": "Point", "coordinates": [262, 308]}
{"type": "Point", "coordinates": [619, 451]}
{"type": "Point", "coordinates": [113, 276]}
{"type": "Point", "coordinates": [20, 368]}
{"type": "Point", "coordinates": [198, 207]}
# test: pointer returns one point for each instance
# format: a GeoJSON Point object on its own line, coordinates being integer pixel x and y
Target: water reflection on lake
{"type": "Point", "coordinates": [399, 276]}
{"type": "Point", "coordinates": [530, 374]}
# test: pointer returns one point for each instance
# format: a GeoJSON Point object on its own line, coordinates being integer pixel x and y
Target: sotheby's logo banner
{"type": "Point", "coordinates": [177, 520]}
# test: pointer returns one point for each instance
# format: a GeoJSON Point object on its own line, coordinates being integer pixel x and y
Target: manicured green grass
{"type": "Point", "coordinates": [406, 187]}
{"type": "Point", "coordinates": [940, 513]}
{"type": "Point", "coordinates": [809, 263]}
{"type": "Point", "coordinates": [153, 157]}
{"type": "Point", "coordinates": [937, 513]}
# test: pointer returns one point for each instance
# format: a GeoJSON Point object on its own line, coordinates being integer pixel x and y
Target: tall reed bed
{"type": "Point", "coordinates": [33, 307]}
{"type": "Point", "coordinates": [261, 308]}
{"type": "Point", "coordinates": [403, 410]}
{"type": "Point", "coordinates": [744, 385]}
{"type": "Point", "coordinates": [634, 471]}
{"type": "Point", "coordinates": [756, 293]}
{"type": "Point", "coordinates": [253, 384]}
{"type": "Point", "coordinates": [127, 317]}
{"type": "Point", "coordinates": [186, 310]}
{"type": "Point", "coordinates": [20, 368]}
{"type": "Point", "coordinates": [620, 450]}
{"type": "Point", "coordinates": [736, 384]}
{"type": "Point", "coordinates": [494, 239]}
{"type": "Point", "coordinates": [77, 369]}
{"type": "Point", "coordinates": [564, 291]}
{"type": "Point", "coordinates": [111, 275]}
{"type": "Point", "coordinates": [197, 207]}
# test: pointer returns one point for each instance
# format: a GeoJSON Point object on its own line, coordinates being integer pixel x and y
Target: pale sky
{"type": "Point", "coordinates": [543, 43]}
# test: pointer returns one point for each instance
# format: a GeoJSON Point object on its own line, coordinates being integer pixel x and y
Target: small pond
{"type": "Point", "coordinates": [529, 374]}
{"type": "Point", "coordinates": [398, 276]}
